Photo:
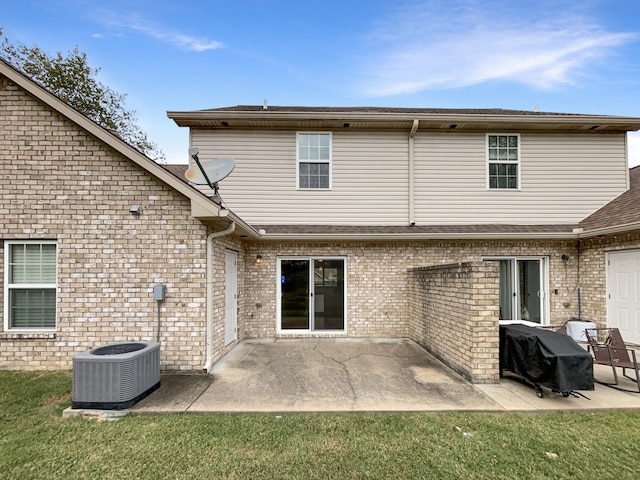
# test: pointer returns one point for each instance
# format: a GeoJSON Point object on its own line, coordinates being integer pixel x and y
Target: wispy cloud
{"type": "Point", "coordinates": [462, 42]}
{"type": "Point", "coordinates": [159, 32]}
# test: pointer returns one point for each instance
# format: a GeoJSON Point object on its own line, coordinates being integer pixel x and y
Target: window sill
{"type": "Point", "coordinates": [27, 336]}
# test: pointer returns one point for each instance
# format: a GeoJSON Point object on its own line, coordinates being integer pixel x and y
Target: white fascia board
{"type": "Point", "coordinates": [617, 229]}
{"type": "Point", "coordinates": [418, 236]}
{"type": "Point", "coordinates": [633, 123]}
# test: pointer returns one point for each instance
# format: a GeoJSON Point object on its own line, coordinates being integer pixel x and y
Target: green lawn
{"type": "Point", "coordinates": [36, 443]}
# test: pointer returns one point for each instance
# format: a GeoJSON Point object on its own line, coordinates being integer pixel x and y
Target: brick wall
{"type": "Point", "coordinates": [454, 314]}
{"type": "Point", "coordinates": [378, 278]}
{"type": "Point", "coordinates": [60, 183]}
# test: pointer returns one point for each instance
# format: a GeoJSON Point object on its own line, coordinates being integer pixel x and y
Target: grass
{"type": "Point", "coordinates": [36, 443]}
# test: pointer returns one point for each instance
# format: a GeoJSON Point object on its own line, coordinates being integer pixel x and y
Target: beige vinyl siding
{"type": "Point", "coordinates": [369, 184]}
{"type": "Point", "coordinates": [564, 178]}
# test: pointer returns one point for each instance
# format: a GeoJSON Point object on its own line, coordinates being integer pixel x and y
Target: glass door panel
{"type": "Point", "coordinates": [312, 294]}
{"type": "Point", "coordinates": [522, 289]}
{"type": "Point", "coordinates": [529, 290]}
{"type": "Point", "coordinates": [328, 294]}
{"type": "Point", "coordinates": [294, 279]}
{"type": "Point", "coordinates": [506, 290]}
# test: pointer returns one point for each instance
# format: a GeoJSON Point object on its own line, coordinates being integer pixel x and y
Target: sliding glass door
{"type": "Point", "coordinates": [294, 297]}
{"type": "Point", "coordinates": [311, 294]}
{"type": "Point", "coordinates": [523, 289]}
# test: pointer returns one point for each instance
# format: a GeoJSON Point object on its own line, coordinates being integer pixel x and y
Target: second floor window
{"type": "Point", "coordinates": [314, 160]}
{"type": "Point", "coordinates": [503, 161]}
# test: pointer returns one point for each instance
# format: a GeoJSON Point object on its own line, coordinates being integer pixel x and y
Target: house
{"type": "Point", "coordinates": [431, 224]}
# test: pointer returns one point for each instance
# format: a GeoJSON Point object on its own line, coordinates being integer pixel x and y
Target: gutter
{"type": "Point", "coordinates": [420, 236]}
{"type": "Point", "coordinates": [186, 118]}
{"type": "Point", "coordinates": [209, 314]}
{"type": "Point", "coordinates": [598, 232]}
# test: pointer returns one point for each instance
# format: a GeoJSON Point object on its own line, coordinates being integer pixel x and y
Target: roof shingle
{"type": "Point", "coordinates": [622, 210]}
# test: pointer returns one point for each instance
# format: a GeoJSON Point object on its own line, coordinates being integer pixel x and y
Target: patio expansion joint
{"type": "Point", "coordinates": [197, 397]}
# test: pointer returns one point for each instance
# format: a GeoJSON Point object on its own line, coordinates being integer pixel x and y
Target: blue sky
{"type": "Point", "coordinates": [576, 56]}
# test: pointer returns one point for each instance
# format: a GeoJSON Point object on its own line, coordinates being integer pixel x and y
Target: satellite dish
{"type": "Point", "coordinates": [211, 170]}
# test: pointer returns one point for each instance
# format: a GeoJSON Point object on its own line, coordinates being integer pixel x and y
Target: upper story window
{"type": "Point", "coordinates": [503, 161]}
{"type": "Point", "coordinates": [30, 285]}
{"type": "Point", "coordinates": [314, 160]}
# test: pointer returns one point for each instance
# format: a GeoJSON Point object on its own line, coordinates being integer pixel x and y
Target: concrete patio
{"type": "Point", "coordinates": [347, 375]}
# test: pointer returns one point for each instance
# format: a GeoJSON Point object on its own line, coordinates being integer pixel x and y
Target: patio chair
{"type": "Point", "coordinates": [608, 348]}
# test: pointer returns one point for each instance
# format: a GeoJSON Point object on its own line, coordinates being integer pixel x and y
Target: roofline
{"type": "Point", "coordinates": [201, 201]}
{"type": "Point", "coordinates": [184, 118]}
{"type": "Point", "coordinates": [599, 232]}
{"type": "Point", "coordinates": [417, 236]}
{"type": "Point", "coordinates": [90, 126]}
{"type": "Point", "coordinates": [575, 234]}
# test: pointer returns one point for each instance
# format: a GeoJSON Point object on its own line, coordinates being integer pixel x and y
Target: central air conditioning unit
{"type": "Point", "coordinates": [115, 376]}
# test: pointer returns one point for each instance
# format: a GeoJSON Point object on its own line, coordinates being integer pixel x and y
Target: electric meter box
{"type": "Point", "coordinates": [159, 292]}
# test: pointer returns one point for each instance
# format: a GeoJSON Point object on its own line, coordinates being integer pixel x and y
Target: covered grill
{"type": "Point", "coordinates": [545, 358]}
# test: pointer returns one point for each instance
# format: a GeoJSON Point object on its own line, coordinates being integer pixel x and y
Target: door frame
{"type": "Point", "coordinates": [230, 289]}
{"type": "Point", "coordinates": [310, 259]}
{"type": "Point", "coordinates": [545, 308]}
{"type": "Point", "coordinates": [610, 282]}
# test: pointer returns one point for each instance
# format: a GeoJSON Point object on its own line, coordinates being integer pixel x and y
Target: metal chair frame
{"type": "Point", "coordinates": [608, 348]}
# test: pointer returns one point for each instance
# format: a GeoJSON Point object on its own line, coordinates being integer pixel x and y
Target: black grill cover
{"type": "Point", "coordinates": [545, 358]}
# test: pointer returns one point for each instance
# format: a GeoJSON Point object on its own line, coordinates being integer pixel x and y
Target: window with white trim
{"type": "Point", "coordinates": [30, 285]}
{"type": "Point", "coordinates": [503, 161]}
{"type": "Point", "coordinates": [314, 160]}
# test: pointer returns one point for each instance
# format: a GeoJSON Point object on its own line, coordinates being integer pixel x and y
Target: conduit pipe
{"type": "Point", "coordinates": [209, 330]}
{"type": "Point", "coordinates": [414, 129]}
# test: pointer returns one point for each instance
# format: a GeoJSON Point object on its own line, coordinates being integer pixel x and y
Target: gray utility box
{"type": "Point", "coordinates": [115, 376]}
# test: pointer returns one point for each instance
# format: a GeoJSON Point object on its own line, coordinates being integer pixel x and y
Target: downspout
{"type": "Point", "coordinates": [579, 287]}
{"type": "Point", "coordinates": [209, 331]}
{"type": "Point", "coordinates": [414, 129]}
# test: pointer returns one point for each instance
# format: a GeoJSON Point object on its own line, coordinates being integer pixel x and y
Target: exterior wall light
{"type": "Point", "coordinates": [258, 259]}
{"type": "Point", "coordinates": [135, 210]}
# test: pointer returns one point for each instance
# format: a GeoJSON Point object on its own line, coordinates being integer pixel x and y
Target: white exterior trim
{"type": "Point", "coordinates": [546, 308]}
{"type": "Point", "coordinates": [308, 331]}
{"type": "Point", "coordinates": [518, 163]}
{"type": "Point", "coordinates": [7, 327]}
{"type": "Point", "coordinates": [298, 161]}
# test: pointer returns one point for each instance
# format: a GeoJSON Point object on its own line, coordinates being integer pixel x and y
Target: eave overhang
{"type": "Point", "coordinates": [613, 230]}
{"type": "Point", "coordinates": [415, 233]}
{"type": "Point", "coordinates": [220, 218]}
{"type": "Point", "coordinates": [576, 234]}
{"type": "Point", "coordinates": [417, 237]}
{"type": "Point", "coordinates": [468, 121]}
